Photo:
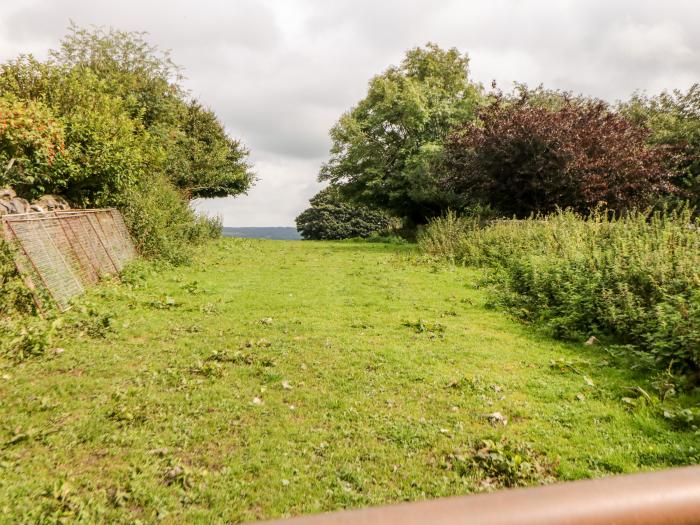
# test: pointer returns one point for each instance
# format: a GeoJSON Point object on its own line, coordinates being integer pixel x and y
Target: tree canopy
{"type": "Point", "coordinates": [383, 148]}
{"type": "Point", "coordinates": [330, 217]}
{"type": "Point", "coordinates": [123, 116]}
{"type": "Point", "coordinates": [105, 121]}
{"type": "Point", "coordinates": [674, 121]}
{"type": "Point", "coordinates": [523, 158]}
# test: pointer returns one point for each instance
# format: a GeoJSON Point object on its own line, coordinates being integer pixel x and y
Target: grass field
{"type": "Point", "coordinates": [279, 378]}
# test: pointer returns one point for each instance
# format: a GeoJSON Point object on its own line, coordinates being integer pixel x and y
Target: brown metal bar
{"type": "Point", "coordinates": [669, 497]}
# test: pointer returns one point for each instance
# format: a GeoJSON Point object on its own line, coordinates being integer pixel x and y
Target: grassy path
{"type": "Point", "coordinates": [278, 378]}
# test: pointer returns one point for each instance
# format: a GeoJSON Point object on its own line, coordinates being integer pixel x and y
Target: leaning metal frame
{"type": "Point", "coordinates": [65, 252]}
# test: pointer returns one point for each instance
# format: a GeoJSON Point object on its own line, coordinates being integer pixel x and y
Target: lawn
{"type": "Point", "coordinates": [275, 378]}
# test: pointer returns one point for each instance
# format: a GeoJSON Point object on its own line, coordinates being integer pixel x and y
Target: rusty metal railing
{"type": "Point", "coordinates": [670, 497]}
{"type": "Point", "coordinates": [64, 252]}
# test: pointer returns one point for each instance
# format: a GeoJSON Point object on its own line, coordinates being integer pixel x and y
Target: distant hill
{"type": "Point", "coordinates": [278, 233]}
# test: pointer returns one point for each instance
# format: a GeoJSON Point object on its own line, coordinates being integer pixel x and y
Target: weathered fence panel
{"type": "Point", "coordinates": [64, 252]}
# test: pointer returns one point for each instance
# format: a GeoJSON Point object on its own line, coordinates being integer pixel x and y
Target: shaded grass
{"type": "Point", "coordinates": [276, 378]}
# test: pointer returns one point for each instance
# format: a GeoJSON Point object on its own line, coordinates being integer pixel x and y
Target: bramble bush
{"type": "Point", "coordinates": [634, 279]}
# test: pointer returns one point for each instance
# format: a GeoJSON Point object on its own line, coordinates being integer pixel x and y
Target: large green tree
{"type": "Point", "coordinates": [105, 150]}
{"type": "Point", "coordinates": [203, 161]}
{"type": "Point", "coordinates": [126, 119]}
{"type": "Point", "coordinates": [384, 148]}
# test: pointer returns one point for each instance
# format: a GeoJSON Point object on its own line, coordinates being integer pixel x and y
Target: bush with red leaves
{"type": "Point", "coordinates": [526, 157]}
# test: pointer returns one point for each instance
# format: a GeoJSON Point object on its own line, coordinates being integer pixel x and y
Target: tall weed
{"type": "Point", "coordinates": [635, 279]}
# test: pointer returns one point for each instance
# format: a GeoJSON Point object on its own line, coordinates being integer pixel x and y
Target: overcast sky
{"type": "Point", "coordinates": [280, 72]}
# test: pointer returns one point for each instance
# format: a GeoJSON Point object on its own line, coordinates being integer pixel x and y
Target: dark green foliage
{"type": "Point", "coordinates": [384, 147]}
{"type": "Point", "coordinates": [634, 280]}
{"type": "Point", "coordinates": [330, 217]}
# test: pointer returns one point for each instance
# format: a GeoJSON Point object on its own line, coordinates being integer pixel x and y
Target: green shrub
{"type": "Point", "coordinates": [634, 279]}
{"type": "Point", "coordinates": [503, 463]}
{"type": "Point", "coordinates": [330, 217]}
{"type": "Point", "coordinates": [163, 225]}
{"type": "Point", "coordinates": [15, 297]}
{"type": "Point", "coordinates": [26, 338]}
{"type": "Point", "coordinates": [444, 237]}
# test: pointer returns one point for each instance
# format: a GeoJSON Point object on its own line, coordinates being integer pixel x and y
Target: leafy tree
{"type": "Point", "coordinates": [383, 149]}
{"type": "Point", "coordinates": [674, 121]}
{"type": "Point", "coordinates": [105, 121]}
{"type": "Point", "coordinates": [204, 162]}
{"type": "Point", "coordinates": [199, 157]}
{"type": "Point", "coordinates": [106, 150]}
{"type": "Point", "coordinates": [126, 117]}
{"type": "Point", "coordinates": [31, 139]}
{"type": "Point", "coordinates": [524, 158]}
{"type": "Point", "coordinates": [330, 217]}
{"type": "Point", "coordinates": [141, 74]}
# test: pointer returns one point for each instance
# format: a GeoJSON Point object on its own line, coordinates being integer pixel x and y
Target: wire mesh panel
{"type": "Point", "coordinates": [56, 272]}
{"type": "Point", "coordinates": [113, 238]}
{"type": "Point", "coordinates": [23, 263]}
{"type": "Point", "coordinates": [106, 255]}
{"type": "Point", "coordinates": [66, 251]}
{"type": "Point", "coordinates": [75, 232]}
{"type": "Point", "coordinates": [128, 250]}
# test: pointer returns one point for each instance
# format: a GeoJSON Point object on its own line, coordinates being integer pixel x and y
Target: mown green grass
{"type": "Point", "coordinates": [279, 378]}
